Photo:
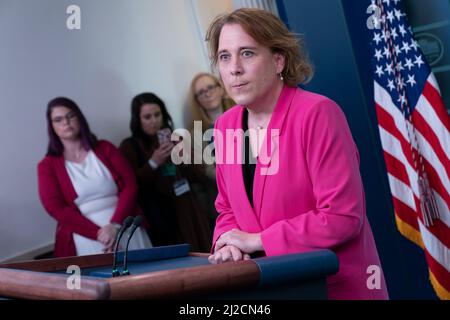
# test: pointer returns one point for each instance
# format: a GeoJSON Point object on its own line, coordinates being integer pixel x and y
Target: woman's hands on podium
{"type": "Point", "coordinates": [235, 245]}
{"type": "Point", "coordinates": [228, 253]}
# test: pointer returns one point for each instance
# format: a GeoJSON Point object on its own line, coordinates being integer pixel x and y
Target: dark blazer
{"type": "Point", "coordinates": [171, 219]}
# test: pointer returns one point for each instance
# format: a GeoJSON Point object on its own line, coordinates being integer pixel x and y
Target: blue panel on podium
{"type": "Point", "coordinates": [297, 267]}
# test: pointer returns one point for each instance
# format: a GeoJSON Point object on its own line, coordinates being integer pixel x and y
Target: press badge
{"type": "Point", "coordinates": [181, 187]}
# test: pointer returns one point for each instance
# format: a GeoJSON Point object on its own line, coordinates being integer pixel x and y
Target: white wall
{"type": "Point", "coordinates": [204, 12]}
{"type": "Point", "coordinates": [122, 49]}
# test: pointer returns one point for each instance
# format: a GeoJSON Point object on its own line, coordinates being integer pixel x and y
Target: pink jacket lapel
{"type": "Point", "coordinates": [268, 163]}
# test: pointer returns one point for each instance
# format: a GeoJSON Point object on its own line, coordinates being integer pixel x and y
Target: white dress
{"type": "Point", "coordinates": [97, 200]}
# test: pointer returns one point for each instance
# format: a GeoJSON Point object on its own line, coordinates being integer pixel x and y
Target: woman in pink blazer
{"type": "Point", "coordinates": [304, 191]}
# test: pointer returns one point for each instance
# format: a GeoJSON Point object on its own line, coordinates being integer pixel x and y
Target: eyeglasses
{"type": "Point", "coordinates": [204, 92]}
{"type": "Point", "coordinates": [68, 117]}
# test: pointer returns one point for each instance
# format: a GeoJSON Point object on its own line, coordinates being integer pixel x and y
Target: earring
{"type": "Point", "coordinates": [281, 77]}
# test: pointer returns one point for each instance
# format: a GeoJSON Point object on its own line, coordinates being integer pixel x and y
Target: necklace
{"type": "Point", "coordinates": [259, 126]}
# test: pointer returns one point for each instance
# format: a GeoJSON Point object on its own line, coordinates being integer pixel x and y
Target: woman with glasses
{"type": "Point", "coordinates": [86, 185]}
{"type": "Point", "coordinates": [208, 100]}
{"type": "Point", "coordinates": [164, 188]}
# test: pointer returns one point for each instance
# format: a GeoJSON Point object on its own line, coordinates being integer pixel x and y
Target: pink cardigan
{"type": "Point", "coordinates": [313, 200]}
{"type": "Point", "coordinates": [57, 195]}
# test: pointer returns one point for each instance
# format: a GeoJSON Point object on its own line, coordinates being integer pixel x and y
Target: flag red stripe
{"type": "Point", "coordinates": [436, 182]}
{"type": "Point", "coordinates": [396, 168]}
{"type": "Point", "coordinates": [441, 274]}
{"type": "Point", "coordinates": [435, 100]}
{"type": "Point", "coordinates": [386, 121]}
{"type": "Point", "coordinates": [405, 213]}
{"type": "Point", "coordinates": [423, 127]}
{"type": "Point", "coordinates": [431, 121]}
{"type": "Point", "coordinates": [441, 231]}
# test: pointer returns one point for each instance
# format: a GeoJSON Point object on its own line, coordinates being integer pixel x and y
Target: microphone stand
{"type": "Point", "coordinates": [136, 223]}
{"type": "Point", "coordinates": [126, 224]}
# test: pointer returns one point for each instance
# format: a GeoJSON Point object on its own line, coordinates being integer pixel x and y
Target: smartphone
{"type": "Point", "coordinates": [164, 135]}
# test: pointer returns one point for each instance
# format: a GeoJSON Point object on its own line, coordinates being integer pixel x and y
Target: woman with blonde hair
{"type": "Point", "coordinates": [207, 99]}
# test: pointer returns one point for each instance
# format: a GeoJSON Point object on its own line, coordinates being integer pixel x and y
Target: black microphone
{"type": "Point", "coordinates": [126, 224]}
{"type": "Point", "coordinates": [136, 223]}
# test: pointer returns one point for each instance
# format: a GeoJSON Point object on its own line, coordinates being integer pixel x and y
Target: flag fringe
{"type": "Point", "coordinates": [441, 292]}
{"type": "Point", "coordinates": [409, 232]}
{"type": "Point", "coordinates": [413, 235]}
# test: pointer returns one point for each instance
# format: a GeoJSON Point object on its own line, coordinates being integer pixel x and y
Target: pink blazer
{"type": "Point", "coordinates": [307, 192]}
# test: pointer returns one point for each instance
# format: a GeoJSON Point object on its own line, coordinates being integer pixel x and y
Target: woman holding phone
{"type": "Point", "coordinates": [164, 192]}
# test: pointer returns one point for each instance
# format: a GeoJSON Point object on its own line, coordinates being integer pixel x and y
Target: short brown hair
{"type": "Point", "coordinates": [268, 30]}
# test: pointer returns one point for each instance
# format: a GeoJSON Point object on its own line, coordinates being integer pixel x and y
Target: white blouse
{"type": "Point", "coordinates": [97, 200]}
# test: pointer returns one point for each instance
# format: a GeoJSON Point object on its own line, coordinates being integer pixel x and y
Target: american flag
{"type": "Point", "coordinates": [414, 129]}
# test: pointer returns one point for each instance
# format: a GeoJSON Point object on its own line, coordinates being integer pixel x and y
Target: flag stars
{"type": "Point", "coordinates": [378, 54]}
{"type": "Point", "coordinates": [398, 14]}
{"type": "Point", "coordinates": [411, 80]}
{"type": "Point", "coordinates": [405, 47]}
{"type": "Point", "coordinates": [391, 85]}
{"type": "Point", "coordinates": [396, 59]}
{"type": "Point", "coordinates": [418, 61]}
{"type": "Point", "coordinates": [388, 2]}
{"type": "Point", "coordinates": [390, 16]}
{"type": "Point", "coordinates": [389, 69]}
{"type": "Point", "coordinates": [401, 29]}
{"type": "Point", "coordinates": [386, 52]}
{"type": "Point", "coordinates": [376, 37]}
{"type": "Point", "coordinates": [379, 71]}
{"type": "Point", "coordinates": [409, 64]}
{"type": "Point", "coordinates": [394, 34]}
